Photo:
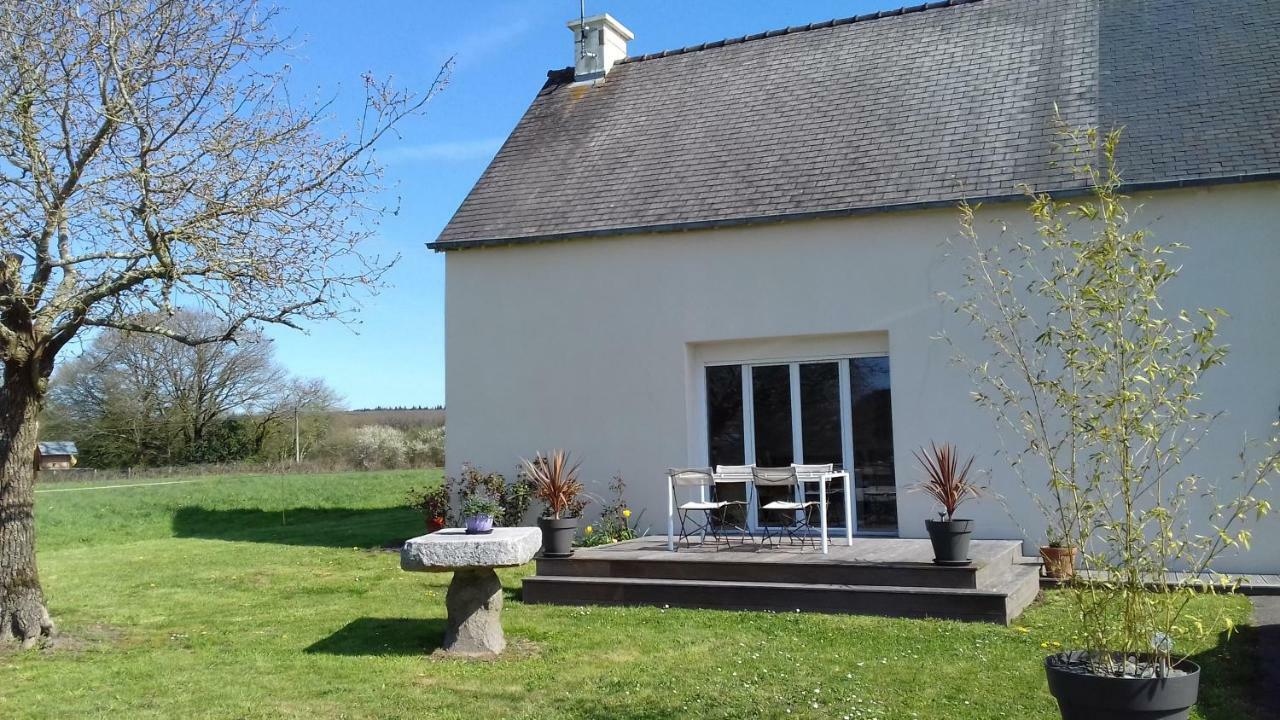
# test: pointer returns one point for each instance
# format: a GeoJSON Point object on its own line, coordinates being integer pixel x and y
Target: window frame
{"type": "Point", "coordinates": [842, 361]}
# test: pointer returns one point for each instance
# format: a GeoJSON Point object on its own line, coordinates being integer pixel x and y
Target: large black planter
{"type": "Point", "coordinates": [1095, 697]}
{"type": "Point", "coordinates": [557, 536]}
{"type": "Point", "coordinates": [950, 540]}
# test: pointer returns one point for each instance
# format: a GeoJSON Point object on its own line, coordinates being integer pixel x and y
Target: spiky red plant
{"type": "Point", "coordinates": [555, 481]}
{"type": "Point", "coordinates": [948, 481]}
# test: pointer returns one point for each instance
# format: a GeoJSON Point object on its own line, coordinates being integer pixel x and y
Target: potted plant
{"type": "Point", "coordinates": [433, 504]}
{"type": "Point", "coordinates": [1059, 557]}
{"type": "Point", "coordinates": [555, 483]}
{"type": "Point", "coordinates": [948, 484]}
{"type": "Point", "coordinates": [478, 512]}
{"type": "Point", "coordinates": [1100, 380]}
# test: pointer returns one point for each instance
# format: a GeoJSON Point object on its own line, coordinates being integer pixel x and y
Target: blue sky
{"type": "Point", "coordinates": [394, 353]}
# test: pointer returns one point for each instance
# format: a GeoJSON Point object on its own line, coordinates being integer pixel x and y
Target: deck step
{"type": "Point", "coordinates": [888, 574]}
{"type": "Point", "coordinates": [763, 567]}
{"type": "Point", "coordinates": [1000, 603]}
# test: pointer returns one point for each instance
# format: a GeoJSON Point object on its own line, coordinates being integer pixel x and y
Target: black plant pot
{"type": "Point", "coordinates": [557, 536]}
{"type": "Point", "coordinates": [1095, 697]}
{"type": "Point", "coordinates": [950, 540]}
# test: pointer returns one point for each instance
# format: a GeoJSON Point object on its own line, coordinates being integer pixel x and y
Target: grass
{"type": "Point", "coordinates": [263, 597]}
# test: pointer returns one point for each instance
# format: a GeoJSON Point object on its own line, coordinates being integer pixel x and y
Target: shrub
{"type": "Point", "coordinates": [513, 498]}
{"type": "Point", "coordinates": [425, 448]}
{"type": "Point", "coordinates": [378, 446]}
{"type": "Point", "coordinates": [432, 503]}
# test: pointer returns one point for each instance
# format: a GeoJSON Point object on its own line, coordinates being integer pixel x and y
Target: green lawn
{"type": "Point", "coordinates": [264, 597]}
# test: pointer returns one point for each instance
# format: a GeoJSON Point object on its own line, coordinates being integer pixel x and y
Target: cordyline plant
{"type": "Point", "coordinates": [1100, 383]}
{"type": "Point", "coordinates": [948, 482]}
{"type": "Point", "coordinates": [555, 482]}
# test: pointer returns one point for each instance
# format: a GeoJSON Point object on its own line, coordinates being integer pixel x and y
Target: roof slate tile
{"type": "Point", "coordinates": [898, 108]}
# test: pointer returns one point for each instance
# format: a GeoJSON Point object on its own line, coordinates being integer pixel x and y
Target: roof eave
{"type": "Point", "coordinates": [691, 225]}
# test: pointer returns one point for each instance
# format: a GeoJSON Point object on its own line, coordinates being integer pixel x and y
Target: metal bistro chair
{"type": "Point", "coordinates": [814, 473]}
{"type": "Point", "coordinates": [798, 511]}
{"type": "Point", "coordinates": [705, 503]}
{"type": "Point", "coordinates": [727, 476]}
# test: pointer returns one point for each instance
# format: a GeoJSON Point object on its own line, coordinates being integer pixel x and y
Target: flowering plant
{"type": "Point", "coordinates": [615, 523]}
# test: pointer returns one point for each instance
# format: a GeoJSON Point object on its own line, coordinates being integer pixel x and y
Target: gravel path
{"type": "Point", "coordinates": [1266, 617]}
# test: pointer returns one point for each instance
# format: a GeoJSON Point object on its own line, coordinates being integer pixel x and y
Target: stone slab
{"type": "Point", "coordinates": [453, 549]}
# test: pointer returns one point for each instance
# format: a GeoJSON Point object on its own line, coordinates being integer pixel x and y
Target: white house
{"type": "Point", "coordinates": [733, 251]}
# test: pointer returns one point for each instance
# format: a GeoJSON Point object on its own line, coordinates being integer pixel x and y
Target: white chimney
{"type": "Point", "coordinates": [599, 42]}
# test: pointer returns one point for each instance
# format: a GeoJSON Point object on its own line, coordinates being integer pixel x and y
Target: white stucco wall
{"type": "Point", "coordinates": [596, 345]}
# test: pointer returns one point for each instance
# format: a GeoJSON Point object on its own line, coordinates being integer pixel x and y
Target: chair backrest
{"type": "Point", "coordinates": [691, 477]}
{"type": "Point", "coordinates": [812, 473]}
{"type": "Point", "coordinates": [773, 477]}
{"type": "Point", "coordinates": [734, 473]}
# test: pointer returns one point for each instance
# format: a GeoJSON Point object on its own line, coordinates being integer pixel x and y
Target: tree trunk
{"type": "Point", "coordinates": [23, 616]}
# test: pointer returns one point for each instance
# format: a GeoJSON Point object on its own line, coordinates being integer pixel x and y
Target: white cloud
{"type": "Point", "coordinates": [446, 151]}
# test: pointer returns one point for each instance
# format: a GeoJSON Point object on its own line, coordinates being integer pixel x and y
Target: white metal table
{"type": "Point", "coordinates": [822, 479]}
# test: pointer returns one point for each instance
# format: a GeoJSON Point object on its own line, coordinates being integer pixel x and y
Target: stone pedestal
{"type": "Point", "coordinates": [474, 603]}
{"type": "Point", "coordinates": [474, 600]}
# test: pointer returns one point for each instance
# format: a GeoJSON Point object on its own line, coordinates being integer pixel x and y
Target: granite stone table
{"type": "Point", "coordinates": [474, 600]}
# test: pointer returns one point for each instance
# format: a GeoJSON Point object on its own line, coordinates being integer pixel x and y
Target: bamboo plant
{"type": "Point", "coordinates": [1098, 383]}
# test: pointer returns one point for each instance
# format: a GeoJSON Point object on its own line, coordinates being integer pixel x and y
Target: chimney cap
{"type": "Point", "coordinates": [602, 20]}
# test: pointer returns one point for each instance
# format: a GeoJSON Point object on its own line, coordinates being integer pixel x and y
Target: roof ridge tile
{"type": "Point", "coordinates": [794, 29]}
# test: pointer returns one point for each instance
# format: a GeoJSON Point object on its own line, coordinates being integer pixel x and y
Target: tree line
{"type": "Point", "coordinates": [133, 399]}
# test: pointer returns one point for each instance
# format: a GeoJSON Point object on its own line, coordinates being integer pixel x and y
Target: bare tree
{"type": "Point", "coordinates": [309, 399]}
{"type": "Point", "coordinates": [148, 160]}
{"type": "Point", "coordinates": [138, 398]}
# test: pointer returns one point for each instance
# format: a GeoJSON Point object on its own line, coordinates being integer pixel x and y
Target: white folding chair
{"type": "Point", "coordinates": [821, 475]}
{"type": "Point", "coordinates": [727, 476]}
{"type": "Point", "coordinates": [790, 517]}
{"type": "Point", "coordinates": [704, 503]}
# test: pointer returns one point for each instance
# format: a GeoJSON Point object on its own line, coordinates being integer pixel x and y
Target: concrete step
{"type": "Point", "coordinates": [1002, 602]}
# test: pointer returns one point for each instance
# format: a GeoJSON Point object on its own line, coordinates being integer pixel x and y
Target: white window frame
{"type": "Point", "coordinates": [797, 435]}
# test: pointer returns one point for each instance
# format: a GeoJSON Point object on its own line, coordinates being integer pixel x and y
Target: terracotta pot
{"type": "Point", "coordinates": [1059, 562]}
{"type": "Point", "coordinates": [435, 524]}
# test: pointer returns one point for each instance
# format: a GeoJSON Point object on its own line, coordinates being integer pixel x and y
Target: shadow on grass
{"type": "Point", "coordinates": [321, 527]}
{"type": "Point", "coordinates": [383, 636]}
{"type": "Point", "coordinates": [1229, 688]}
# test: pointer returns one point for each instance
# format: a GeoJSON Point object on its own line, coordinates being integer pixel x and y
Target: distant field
{"type": "Point", "coordinates": [401, 419]}
{"type": "Point", "coordinates": [269, 596]}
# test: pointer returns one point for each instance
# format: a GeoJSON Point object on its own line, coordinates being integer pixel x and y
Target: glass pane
{"type": "Point", "coordinates": [820, 412]}
{"type": "Point", "coordinates": [820, 429]}
{"type": "Point", "coordinates": [875, 490]}
{"type": "Point", "coordinates": [724, 415]}
{"type": "Point", "coordinates": [771, 401]}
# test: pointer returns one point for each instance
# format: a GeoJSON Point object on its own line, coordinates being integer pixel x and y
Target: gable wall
{"type": "Point", "coordinates": [596, 345]}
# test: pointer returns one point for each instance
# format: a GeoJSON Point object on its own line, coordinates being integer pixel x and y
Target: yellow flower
{"type": "Point", "coordinates": [590, 529]}
{"type": "Point", "coordinates": [1021, 629]}
{"type": "Point", "coordinates": [626, 512]}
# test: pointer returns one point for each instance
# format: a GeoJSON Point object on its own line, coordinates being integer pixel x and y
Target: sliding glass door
{"type": "Point", "coordinates": [815, 411]}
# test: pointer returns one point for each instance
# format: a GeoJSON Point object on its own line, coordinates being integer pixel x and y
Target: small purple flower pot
{"type": "Point", "coordinates": [479, 524]}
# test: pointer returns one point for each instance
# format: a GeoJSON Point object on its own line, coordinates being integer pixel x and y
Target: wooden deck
{"type": "Point", "coordinates": [1250, 584]}
{"type": "Point", "coordinates": [875, 576]}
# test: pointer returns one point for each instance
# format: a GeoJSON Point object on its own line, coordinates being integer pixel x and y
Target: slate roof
{"type": "Point", "coordinates": [60, 447]}
{"type": "Point", "coordinates": [907, 109]}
